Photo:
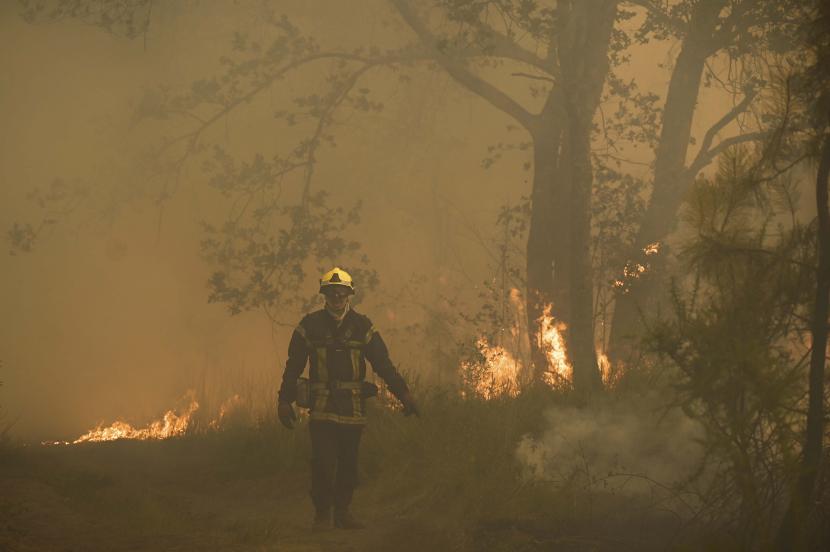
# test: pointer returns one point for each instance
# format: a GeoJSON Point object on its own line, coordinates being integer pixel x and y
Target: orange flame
{"type": "Point", "coordinates": [652, 249]}
{"type": "Point", "coordinates": [498, 375]}
{"type": "Point", "coordinates": [170, 425]}
{"type": "Point", "coordinates": [232, 404]}
{"type": "Point", "coordinates": [604, 364]}
{"type": "Point", "coordinates": [500, 370]}
{"type": "Point", "coordinates": [633, 270]}
{"type": "Point", "coordinates": [550, 340]}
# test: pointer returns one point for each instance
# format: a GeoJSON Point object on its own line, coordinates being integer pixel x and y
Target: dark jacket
{"type": "Point", "coordinates": [337, 356]}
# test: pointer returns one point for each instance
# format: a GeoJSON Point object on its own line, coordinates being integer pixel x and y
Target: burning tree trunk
{"type": "Point", "coordinates": [583, 58]}
{"type": "Point", "coordinates": [558, 264]}
{"type": "Point", "coordinates": [547, 267]}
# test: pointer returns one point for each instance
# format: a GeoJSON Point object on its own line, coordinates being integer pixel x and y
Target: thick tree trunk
{"type": "Point", "coordinates": [543, 262]}
{"type": "Point", "coordinates": [586, 375]}
{"type": "Point", "coordinates": [671, 178]}
{"type": "Point", "coordinates": [559, 263]}
{"type": "Point", "coordinates": [793, 532]}
{"type": "Point", "coordinates": [583, 57]}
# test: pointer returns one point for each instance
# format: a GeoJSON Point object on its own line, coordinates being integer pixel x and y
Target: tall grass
{"type": "Point", "coordinates": [465, 475]}
{"type": "Point", "coordinates": [455, 474]}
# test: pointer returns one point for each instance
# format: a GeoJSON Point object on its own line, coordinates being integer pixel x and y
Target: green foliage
{"type": "Point", "coordinates": [60, 199]}
{"type": "Point", "coordinates": [278, 227]}
{"type": "Point", "coordinates": [735, 337]}
{"type": "Point", "coordinates": [471, 18]}
{"type": "Point", "coordinates": [262, 259]}
{"type": "Point", "coordinates": [128, 18]}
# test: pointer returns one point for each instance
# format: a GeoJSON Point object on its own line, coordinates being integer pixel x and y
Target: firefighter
{"type": "Point", "coordinates": [336, 341]}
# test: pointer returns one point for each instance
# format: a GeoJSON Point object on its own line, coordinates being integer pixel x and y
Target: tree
{"type": "Point", "coordinates": [735, 337]}
{"type": "Point", "coordinates": [799, 522]}
{"type": "Point", "coordinates": [574, 37]}
{"type": "Point", "coordinates": [742, 31]}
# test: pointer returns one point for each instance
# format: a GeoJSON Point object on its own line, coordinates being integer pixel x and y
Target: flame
{"type": "Point", "coordinates": [497, 375]}
{"type": "Point", "coordinates": [228, 407]}
{"type": "Point", "coordinates": [633, 270]}
{"type": "Point", "coordinates": [170, 425]}
{"type": "Point", "coordinates": [604, 365]}
{"type": "Point", "coordinates": [550, 340]}
{"type": "Point", "coordinates": [499, 372]}
{"type": "Point", "coordinates": [652, 249]}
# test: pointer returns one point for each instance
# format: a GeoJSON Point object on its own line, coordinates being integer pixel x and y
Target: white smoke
{"type": "Point", "coordinates": [613, 445]}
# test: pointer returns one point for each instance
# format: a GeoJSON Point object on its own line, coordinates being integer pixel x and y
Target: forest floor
{"type": "Point", "coordinates": [448, 481]}
{"type": "Point", "coordinates": [167, 496]}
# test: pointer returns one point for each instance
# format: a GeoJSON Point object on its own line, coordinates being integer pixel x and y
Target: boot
{"type": "Point", "coordinates": [345, 520]}
{"type": "Point", "coordinates": [322, 520]}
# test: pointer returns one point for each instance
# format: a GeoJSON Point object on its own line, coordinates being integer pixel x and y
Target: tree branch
{"type": "Point", "coordinates": [534, 77]}
{"type": "Point", "coordinates": [502, 46]}
{"type": "Point", "coordinates": [705, 157]}
{"type": "Point", "coordinates": [321, 125]}
{"type": "Point", "coordinates": [679, 27]}
{"type": "Point", "coordinates": [722, 122]}
{"type": "Point", "coordinates": [460, 73]}
{"type": "Point", "coordinates": [735, 24]}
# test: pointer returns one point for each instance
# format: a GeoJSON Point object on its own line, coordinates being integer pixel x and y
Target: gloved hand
{"type": "Point", "coordinates": [285, 412]}
{"type": "Point", "coordinates": [409, 405]}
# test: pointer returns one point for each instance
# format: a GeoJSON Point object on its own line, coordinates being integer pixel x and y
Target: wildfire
{"type": "Point", "coordinates": [232, 405]}
{"type": "Point", "coordinates": [551, 341]}
{"type": "Point", "coordinates": [634, 270]}
{"type": "Point", "coordinates": [652, 249]}
{"type": "Point", "coordinates": [497, 375]}
{"type": "Point", "coordinates": [604, 365]}
{"type": "Point", "coordinates": [499, 372]}
{"type": "Point", "coordinates": [171, 424]}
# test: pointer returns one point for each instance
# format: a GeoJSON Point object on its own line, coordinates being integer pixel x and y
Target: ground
{"type": "Point", "coordinates": [187, 495]}
{"type": "Point", "coordinates": [448, 481]}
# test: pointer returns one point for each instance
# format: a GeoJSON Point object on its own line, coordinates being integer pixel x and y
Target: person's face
{"type": "Point", "coordinates": [337, 299]}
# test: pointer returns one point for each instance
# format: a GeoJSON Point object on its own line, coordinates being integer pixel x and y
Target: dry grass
{"type": "Point", "coordinates": [450, 480]}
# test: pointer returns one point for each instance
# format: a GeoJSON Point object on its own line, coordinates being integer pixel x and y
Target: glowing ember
{"type": "Point", "coordinates": [652, 249]}
{"type": "Point", "coordinates": [634, 270]}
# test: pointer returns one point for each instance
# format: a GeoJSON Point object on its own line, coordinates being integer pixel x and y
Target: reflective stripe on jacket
{"type": "Point", "coordinates": [337, 356]}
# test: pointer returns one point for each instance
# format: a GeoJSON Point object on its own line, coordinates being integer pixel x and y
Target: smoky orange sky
{"type": "Point", "coordinates": [108, 316]}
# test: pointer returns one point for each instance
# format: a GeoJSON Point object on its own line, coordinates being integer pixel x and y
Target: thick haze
{"type": "Point", "coordinates": [108, 316]}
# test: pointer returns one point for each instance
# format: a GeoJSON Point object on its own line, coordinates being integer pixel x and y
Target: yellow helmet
{"type": "Point", "coordinates": [336, 277]}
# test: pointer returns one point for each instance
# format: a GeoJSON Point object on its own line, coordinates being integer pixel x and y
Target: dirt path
{"type": "Point", "coordinates": [164, 496]}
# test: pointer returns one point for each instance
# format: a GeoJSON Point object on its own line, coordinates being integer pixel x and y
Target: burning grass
{"type": "Point", "coordinates": [453, 479]}
{"type": "Point", "coordinates": [530, 470]}
{"type": "Point", "coordinates": [503, 368]}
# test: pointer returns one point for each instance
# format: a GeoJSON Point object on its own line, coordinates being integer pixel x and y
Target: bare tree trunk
{"type": "Point", "coordinates": [793, 534]}
{"type": "Point", "coordinates": [671, 179]}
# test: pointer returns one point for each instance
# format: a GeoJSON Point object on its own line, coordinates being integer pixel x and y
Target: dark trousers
{"type": "Point", "coordinates": [333, 464]}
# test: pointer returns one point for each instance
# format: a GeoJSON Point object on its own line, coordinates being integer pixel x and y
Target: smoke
{"type": "Point", "coordinates": [614, 445]}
